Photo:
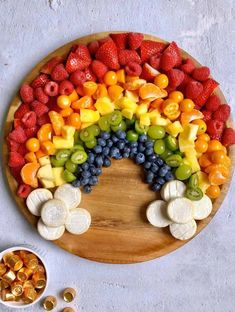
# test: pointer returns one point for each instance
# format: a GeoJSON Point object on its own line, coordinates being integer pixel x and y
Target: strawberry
{"type": "Point", "coordinates": [120, 40]}
{"type": "Point", "coordinates": [167, 61]}
{"type": "Point", "coordinates": [104, 40]}
{"type": "Point", "coordinates": [51, 88]}
{"type": "Point", "coordinates": [135, 40]}
{"type": "Point", "coordinates": [174, 50]}
{"type": "Point", "coordinates": [21, 110]}
{"type": "Point", "coordinates": [193, 89]}
{"type": "Point", "coordinates": [208, 87]}
{"type": "Point", "coordinates": [93, 46]}
{"type": "Point", "coordinates": [149, 48]}
{"type": "Point", "coordinates": [18, 135]}
{"type": "Point", "coordinates": [126, 56]}
{"type": "Point", "coordinates": [59, 73]}
{"type": "Point", "coordinates": [12, 144]}
{"type": "Point", "coordinates": [215, 127]}
{"type": "Point", "coordinates": [15, 171]}
{"type": "Point", "coordinates": [154, 61]}
{"type": "Point", "coordinates": [207, 115]}
{"type": "Point", "coordinates": [99, 68]}
{"type": "Point", "coordinates": [29, 120]}
{"type": "Point", "coordinates": [176, 77]}
{"type": "Point", "coordinates": [107, 54]}
{"type": "Point", "coordinates": [43, 119]}
{"type": "Point", "coordinates": [213, 103]}
{"type": "Point", "coordinates": [133, 69]}
{"type": "Point", "coordinates": [51, 64]}
{"type": "Point", "coordinates": [78, 77]}
{"type": "Point", "coordinates": [26, 93]}
{"type": "Point", "coordinates": [201, 73]}
{"type": "Point", "coordinates": [40, 81]}
{"type": "Point", "coordinates": [66, 87]}
{"type": "Point", "coordinates": [31, 132]}
{"type": "Point", "coordinates": [90, 76]}
{"type": "Point", "coordinates": [74, 48]}
{"type": "Point", "coordinates": [39, 108]}
{"type": "Point", "coordinates": [24, 190]}
{"type": "Point", "coordinates": [83, 54]}
{"type": "Point", "coordinates": [188, 66]}
{"type": "Point", "coordinates": [74, 62]}
{"type": "Point", "coordinates": [148, 72]}
{"type": "Point", "coordinates": [40, 95]}
{"type": "Point", "coordinates": [222, 113]}
{"type": "Point", "coordinates": [228, 137]}
{"type": "Point", "coordinates": [22, 150]}
{"type": "Point", "coordinates": [15, 160]}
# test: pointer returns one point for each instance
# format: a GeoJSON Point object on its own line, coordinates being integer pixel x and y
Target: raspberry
{"type": "Point", "coordinates": [40, 81]}
{"type": "Point", "coordinates": [193, 89]}
{"type": "Point", "coordinates": [133, 69]}
{"type": "Point", "coordinates": [59, 73]}
{"type": "Point", "coordinates": [21, 110]}
{"type": "Point", "coordinates": [135, 40]}
{"type": "Point", "coordinates": [201, 73]}
{"type": "Point", "coordinates": [29, 120]}
{"type": "Point", "coordinates": [213, 103]}
{"type": "Point", "coordinates": [18, 135]}
{"type": "Point", "coordinates": [78, 77]}
{"type": "Point", "coordinates": [22, 150]}
{"type": "Point", "coordinates": [43, 119]}
{"type": "Point", "coordinates": [24, 190]}
{"type": "Point", "coordinates": [228, 137]}
{"type": "Point", "coordinates": [176, 77]}
{"type": "Point", "coordinates": [167, 61]}
{"type": "Point", "coordinates": [99, 68]}
{"type": "Point", "coordinates": [93, 47]}
{"type": "Point", "coordinates": [15, 171]}
{"type": "Point", "coordinates": [208, 87]}
{"type": "Point", "coordinates": [40, 95]}
{"type": "Point", "coordinates": [90, 76]}
{"type": "Point", "coordinates": [188, 66]}
{"type": "Point", "coordinates": [215, 127]}
{"type": "Point", "coordinates": [222, 113]}
{"type": "Point", "coordinates": [12, 145]}
{"type": "Point", "coordinates": [26, 93]}
{"type": "Point", "coordinates": [51, 88]}
{"type": "Point", "coordinates": [16, 160]}
{"type": "Point", "coordinates": [216, 136]}
{"type": "Point", "coordinates": [66, 87]}
{"type": "Point", "coordinates": [207, 115]}
{"type": "Point", "coordinates": [31, 132]}
{"type": "Point", "coordinates": [39, 108]}
{"type": "Point", "coordinates": [17, 123]}
{"type": "Point", "coordinates": [154, 61]}
{"type": "Point", "coordinates": [126, 56]}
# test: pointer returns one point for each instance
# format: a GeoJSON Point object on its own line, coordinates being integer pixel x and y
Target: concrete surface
{"type": "Point", "coordinates": [198, 277]}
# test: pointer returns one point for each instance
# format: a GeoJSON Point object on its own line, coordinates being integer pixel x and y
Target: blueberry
{"type": "Point", "coordinates": [93, 170]}
{"type": "Point", "coordinates": [99, 161]}
{"type": "Point", "coordinates": [86, 174]}
{"type": "Point", "coordinates": [141, 148]}
{"type": "Point", "coordinates": [118, 156]}
{"type": "Point", "coordinates": [93, 180]}
{"type": "Point", "coordinates": [140, 158]}
{"type": "Point", "coordinates": [98, 171]}
{"type": "Point", "coordinates": [163, 171]}
{"type": "Point", "coordinates": [147, 165]}
{"type": "Point", "coordinates": [151, 158]}
{"type": "Point", "coordinates": [114, 138]}
{"type": "Point", "coordinates": [109, 143]}
{"type": "Point", "coordinates": [101, 142]}
{"type": "Point", "coordinates": [85, 166]}
{"type": "Point", "coordinates": [105, 135]}
{"type": "Point", "coordinates": [132, 155]}
{"type": "Point", "coordinates": [87, 188]}
{"type": "Point", "coordinates": [113, 151]}
{"type": "Point", "coordinates": [76, 183]}
{"type": "Point", "coordinates": [154, 168]}
{"type": "Point", "coordinates": [148, 144]}
{"type": "Point", "coordinates": [160, 180]}
{"type": "Point", "coordinates": [133, 144]}
{"type": "Point", "coordinates": [105, 151]}
{"type": "Point", "coordinates": [121, 144]}
{"type": "Point", "coordinates": [121, 134]}
{"type": "Point", "coordinates": [91, 158]}
{"type": "Point", "coordinates": [149, 177]}
{"type": "Point", "coordinates": [126, 155]}
{"type": "Point", "coordinates": [167, 167]}
{"type": "Point", "coordinates": [126, 149]}
{"type": "Point", "coordinates": [169, 176]}
{"type": "Point", "coordinates": [143, 138]}
{"type": "Point", "coordinates": [134, 150]}
{"type": "Point", "coordinates": [79, 169]}
{"type": "Point", "coordinates": [159, 161]}
{"type": "Point", "coordinates": [107, 162]}
{"type": "Point", "coordinates": [156, 187]}
{"type": "Point", "coordinates": [149, 151]}
{"type": "Point", "coordinates": [84, 181]}
{"type": "Point", "coordinates": [97, 149]}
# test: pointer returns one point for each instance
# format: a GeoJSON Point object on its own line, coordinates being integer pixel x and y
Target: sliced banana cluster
{"type": "Point", "coordinates": [58, 213]}
{"type": "Point", "coordinates": [178, 211]}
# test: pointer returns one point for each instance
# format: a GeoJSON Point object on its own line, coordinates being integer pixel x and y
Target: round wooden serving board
{"type": "Point", "coordinates": [119, 232]}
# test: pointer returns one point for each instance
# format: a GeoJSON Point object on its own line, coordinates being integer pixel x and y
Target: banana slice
{"type": "Point", "coordinates": [54, 213]}
{"type": "Point", "coordinates": [202, 208]}
{"type": "Point", "coordinates": [173, 189]}
{"type": "Point", "coordinates": [183, 231]}
{"type": "Point", "coordinates": [156, 214]}
{"type": "Point", "coordinates": [69, 194]}
{"type": "Point", "coordinates": [36, 199]}
{"type": "Point", "coordinates": [180, 210]}
{"type": "Point", "coordinates": [78, 221]}
{"type": "Point", "coordinates": [50, 233]}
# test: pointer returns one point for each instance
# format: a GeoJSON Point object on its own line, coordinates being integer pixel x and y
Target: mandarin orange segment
{"type": "Point", "coordinates": [45, 132]}
{"type": "Point", "coordinates": [150, 90]}
{"type": "Point", "coordinates": [100, 92]}
{"type": "Point", "coordinates": [186, 118]}
{"type": "Point", "coordinates": [84, 102]}
{"type": "Point", "coordinates": [121, 76]}
{"type": "Point", "coordinates": [157, 104]}
{"type": "Point", "coordinates": [134, 84]}
{"type": "Point", "coordinates": [40, 154]}
{"type": "Point", "coordinates": [66, 112]}
{"type": "Point", "coordinates": [29, 174]}
{"type": "Point", "coordinates": [48, 148]}
{"type": "Point", "coordinates": [30, 157]}
{"type": "Point", "coordinates": [115, 92]}
{"type": "Point", "coordinates": [89, 88]}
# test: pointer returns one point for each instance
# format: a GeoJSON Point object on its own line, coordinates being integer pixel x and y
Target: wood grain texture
{"type": "Point", "coordinates": [120, 232]}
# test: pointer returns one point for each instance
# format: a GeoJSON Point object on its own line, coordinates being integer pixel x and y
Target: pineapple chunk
{"type": "Point", "coordinates": [127, 113]}
{"type": "Point", "coordinates": [86, 124]}
{"type": "Point", "coordinates": [58, 176]}
{"type": "Point", "coordinates": [132, 95]}
{"type": "Point", "coordinates": [45, 160]}
{"type": "Point", "coordinates": [45, 172]}
{"type": "Point", "coordinates": [174, 128]}
{"type": "Point", "coordinates": [88, 115]}
{"type": "Point", "coordinates": [160, 121]}
{"type": "Point", "coordinates": [67, 131]}
{"type": "Point", "coordinates": [60, 142]}
{"type": "Point", "coordinates": [203, 181]}
{"type": "Point", "coordinates": [191, 157]}
{"type": "Point", "coordinates": [104, 106]}
{"type": "Point", "coordinates": [145, 120]}
{"type": "Point", "coordinates": [47, 183]}
{"type": "Point", "coordinates": [187, 137]}
{"type": "Point", "coordinates": [141, 109]}
{"type": "Point", "coordinates": [126, 103]}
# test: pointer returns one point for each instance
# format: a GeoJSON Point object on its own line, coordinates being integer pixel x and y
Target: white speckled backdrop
{"type": "Point", "coordinates": [198, 277]}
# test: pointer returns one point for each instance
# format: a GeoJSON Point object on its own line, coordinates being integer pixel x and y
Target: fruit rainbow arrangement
{"type": "Point", "coordinates": [121, 97]}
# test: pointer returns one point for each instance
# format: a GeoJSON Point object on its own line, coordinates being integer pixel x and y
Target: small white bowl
{"type": "Point", "coordinates": [15, 304]}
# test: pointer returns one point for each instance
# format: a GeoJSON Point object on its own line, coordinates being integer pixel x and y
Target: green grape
{"type": "Point", "coordinates": [79, 157]}
{"type": "Point", "coordinates": [156, 132]}
{"type": "Point", "coordinates": [183, 172]}
{"type": "Point", "coordinates": [104, 123]}
{"type": "Point", "coordinates": [95, 130]}
{"type": "Point", "coordinates": [139, 129]}
{"type": "Point", "coordinates": [63, 154]}
{"type": "Point", "coordinates": [171, 143]}
{"type": "Point", "coordinates": [132, 136]}
{"type": "Point", "coordinates": [194, 193]}
{"type": "Point", "coordinates": [77, 147]}
{"type": "Point", "coordinates": [115, 118]}
{"type": "Point", "coordinates": [173, 160]}
{"type": "Point", "coordinates": [69, 176]}
{"type": "Point", "coordinates": [86, 135]}
{"type": "Point", "coordinates": [159, 147]}
{"type": "Point", "coordinates": [121, 126]}
{"type": "Point", "coordinates": [130, 122]}
{"type": "Point", "coordinates": [92, 143]}
{"type": "Point", "coordinates": [70, 166]}
{"type": "Point", "coordinates": [166, 154]}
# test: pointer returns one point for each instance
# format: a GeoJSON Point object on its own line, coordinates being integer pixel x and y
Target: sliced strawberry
{"type": "Point", "coordinates": [174, 50]}
{"type": "Point", "coordinates": [135, 40]}
{"type": "Point", "coordinates": [18, 135]}
{"type": "Point", "coordinates": [167, 61]}
{"type": "Point", "coordinates": [108, 54]}
{"type": "Point", "coordinates": [222, 113]}
{"type": "Point", "coordinates": [21, 110]}
{"type": "Point", "coordinates": [29, 119]}
{"type": "Point", "coordinates": [201, 73]}
{"type": "Point", "coordinates": [26, 93]}
{"type": "Point", "coordinates": [208, 87]}
{"type": "Point", "coordinates": [99, 68]}
{"type": "Point", "coordinates": [120, 40]}
{"type": "Point", "coordinates": [228, 137]}
{"type": "Point", "coordinates": [59, 73]}
{"type": "Point", "coordinates": [193, 89]}
{"type": "Point", "coordinates": [90, 76]}
{"type": "Point", "coordinates": [148, 72]}
{"type": "Point", "coordinates": [127, 56]}
{"type": "Point", "coordinates": [51, 64]}
{"type": "Point", "coordinates": [104, 40]}
{"type": "Point", "coordinates": [188, 66]}
{"type": "Point", "coordinates": [93, 46]}
{"type": "Point", "coordinates": [15, 160]}
{"type": "Point", "coordinates": [176, 77]}
{"type": "Point", "coordinates": [74, 62]}
{"type": "Point", "coordinates": [24, 190]}
{"type": "Point", "coordinates": [133, 69]}
{"type": "Point", "coordinates": [40, 81]}
{"type": "Point", "coordinates": [149, 48]}
{"type": "Point", "coordinates": [154, 61]}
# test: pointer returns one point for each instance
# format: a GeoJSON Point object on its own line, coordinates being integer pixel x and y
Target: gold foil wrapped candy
{"type": "Point", "coordinates": [68, 310]}
{"type": "Point", "coordinates": [49, 303]}
{"type": "Point", "coordinates": [69, 294]}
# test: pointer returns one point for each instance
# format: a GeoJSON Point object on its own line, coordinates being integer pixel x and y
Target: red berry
{"type": "Point", "coordinates": [193, 89]}
{"type": "Point", "coordinates": [40, 81]}
{"type": "Point", "coordinates": [120, 40]}
{"type": "Point", "coordinates": [174, 50]}
{"type": "Point", "coordinates": [208, 87]}
{"type": "Point", "coordinates": [26, 93]}
{"type": "Point", "coordinates": [83, 54]}
{"type": "Point", "coordinates": [176, 77]}
{"type": "Point", "coordinates": [215, 127]}
{"type": "Point", "coordinates": [99, 68]}
{"type": "Point", "coordinates": [104, 40]}
{"type": "Point", "coordinates": [126, 56]}
{"type": "Point", "coordinates": [59, 73]}
{"type": "Point", "coordinates": [15, 171]}
{"type": "Point", "coordinates": [216, 136]}
{"type": "Point", "coordinates": [148, 72]}
{"type": "Point", "coordinates": [167, 61]}
{"type": "Point", "coordinates": [133, 69]}
{"type": "Point", "coordinates": [40, 95]}
{"type": "Point", "coordinates": [78, 77]}
{"type": "Point", "coordinates": [31, 132]}
{"type": "Point", "coordinates": [15, 160]}
{"type": "Point", "coordinates": [107, 54]}
{"type": "Point", "coordinates": [188, 66]}
{"type": "Point", "coordinates": [66, 87]}
{"type": "Point", "coordinates": [228, 137]}
{"type": "Point", "coordinates": [18, 135]}
{"type": "Point", "coordinates": [51, 88]}
{"type": "Point", "coordinates": [213, 103]}
{"type": "Point", "coordinates": [74, 62]}
{"type": "Point", "coordinates": [93, 46]}
{"type": "Point", "coordinates": [12, 144]}
{"type": "Point", "coordinates": [17, 123]}
{"type": "Point", "coordinates": [21, 110]}
{"type": "Point", "coordinates": [51, 64]}
{"type": "Point", "coordinates": [43, 119]}
{"type": "Point", "coordinates": [39, 108]}
{"type": "Point", "coordinates": [207, 115]}
{"type": "Point", "coordinates": [90, 76]}
{"type": "Point", "coordinates": [135, 40]}
{"type": "Point", "coordinates": [22, 150]}
{"type": "Point", "coordinates": [29, 120]}
{"type": "Point", "coordinates": [154, 61]}
{"type": "Point", "coordinates": [201, 73]}
{"type": "Point", "coordinates": [24, 190]}
{"type": "Point", "coordinates": [149, 48]}
{"type": "Point", "coordinates": [222, 113]}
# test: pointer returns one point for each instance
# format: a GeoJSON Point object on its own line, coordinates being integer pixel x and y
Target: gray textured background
{"type": "Point", "coordinates": [198, 277]}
